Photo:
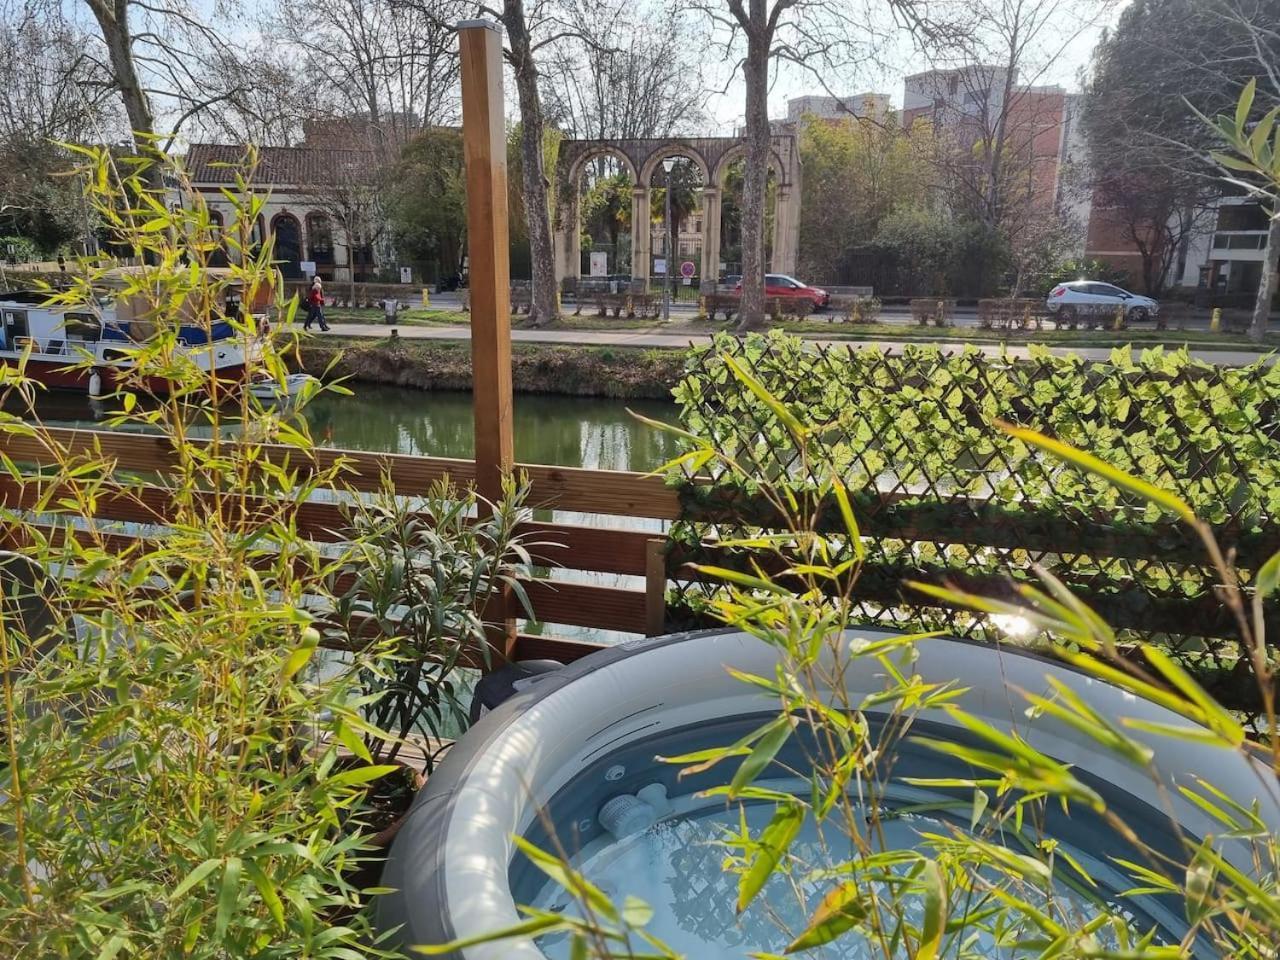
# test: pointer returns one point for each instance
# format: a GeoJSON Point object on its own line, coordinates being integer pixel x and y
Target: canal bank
{"type": "Point", "coordinates": [580, 371]}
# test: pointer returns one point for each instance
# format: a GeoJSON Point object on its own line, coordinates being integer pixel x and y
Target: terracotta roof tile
{"type": "Point", "coordinates": [278, 166]}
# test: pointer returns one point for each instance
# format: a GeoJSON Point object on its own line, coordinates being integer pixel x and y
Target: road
{"type": "Point", "coordinates": [647, 338]}
{"type": "Point", "coordinates": [964, 316]}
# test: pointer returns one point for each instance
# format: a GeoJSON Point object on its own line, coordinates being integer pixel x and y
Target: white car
{"type": "Point", "coordinates": [1083, 298]}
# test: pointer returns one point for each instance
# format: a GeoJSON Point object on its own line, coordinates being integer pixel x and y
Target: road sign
{"type": "Point", "coordinates": [687, 269]}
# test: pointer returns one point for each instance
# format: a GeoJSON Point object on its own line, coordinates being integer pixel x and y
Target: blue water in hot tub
{"type": "Point", "coordinates": [675, 865]}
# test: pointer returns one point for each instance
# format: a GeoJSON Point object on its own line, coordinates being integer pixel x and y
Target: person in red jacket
{"type": "Point", "coordinates": [315, 306]}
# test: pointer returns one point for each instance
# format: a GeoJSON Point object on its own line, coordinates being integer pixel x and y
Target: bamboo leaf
{"type": "Point", "coordinates": [1245, 104]}
{"type": "Point", "coordinates": [840, 911]}
{"type": "Point", "coordinates": [775, 841]}
{"type": "Point", "coordinates": [228, 897]}
{"type": "Point", "coordinates": [195, 876]}
{"type": "Point", "coordinates": [527, 928]}
{"type": "Point", "coordinates": [779, 409]}
{"type": "Point", "coordinates": [935, 911]}
{"type": "Point", "coordinates": [1268, 577]}
{"type": "Point", "coordinates": [771, 740]}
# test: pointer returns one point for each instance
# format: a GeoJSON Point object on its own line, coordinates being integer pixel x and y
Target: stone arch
{"type": "Point", "coordinates": [784, 161]}
{"type": "Point", "coordinates": [641, 156]}
{"type": "Point", "coordinates": [286, 231]}
{"type": "Point", "coordinates": [738, 152]}
{"type": "Point", "coordinates": [579, 162]}
{"type": "Point", "coordinates": [674, 148]}
{"type": "Point", "coordinates": [568, 222]}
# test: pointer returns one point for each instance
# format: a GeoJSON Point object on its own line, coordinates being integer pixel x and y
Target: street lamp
{"type": "Point", "coordinates": [668, 165]}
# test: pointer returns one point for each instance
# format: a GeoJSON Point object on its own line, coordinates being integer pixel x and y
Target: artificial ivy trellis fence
{"type": "Point", "coordinates": [943, 496]}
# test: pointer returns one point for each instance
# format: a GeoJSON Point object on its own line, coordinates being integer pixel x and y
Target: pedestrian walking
{"type": "Point", "coordinates": [315, 306]}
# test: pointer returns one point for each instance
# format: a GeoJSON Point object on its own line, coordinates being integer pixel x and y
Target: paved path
{"type": "Point", "coordinates": [645, 338]}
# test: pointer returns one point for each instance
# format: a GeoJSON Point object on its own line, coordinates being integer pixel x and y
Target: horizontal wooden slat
{"type": "Point", "coordinates": [568, 546]}
{"type": "Point", "coordinates": [532, 647]}
{"type": "Point", "coordinates": [586, 605]}
{"type": "Point", "coordinates": [588, 548]}
{"type": "Point", "coordinates": [612, 492]}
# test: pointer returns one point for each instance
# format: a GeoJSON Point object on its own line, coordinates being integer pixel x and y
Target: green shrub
{"type": "Point", "coordinates": [170, 752]}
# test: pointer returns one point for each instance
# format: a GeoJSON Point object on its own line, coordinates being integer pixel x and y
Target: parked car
{"type": "Point", "coordinates": [1085, 297]}
{"type": "Point", "coordinates": [781, 285]}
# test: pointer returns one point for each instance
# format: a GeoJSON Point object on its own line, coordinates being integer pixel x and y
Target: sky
{"type": "Point", "coordinates": [726, 109]}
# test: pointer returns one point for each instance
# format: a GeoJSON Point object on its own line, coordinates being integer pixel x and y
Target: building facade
{"type": "Point", "coordinates": [321, 199]}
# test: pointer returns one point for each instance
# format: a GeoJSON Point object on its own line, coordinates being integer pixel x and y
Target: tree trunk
{"type": "Point", "coordinates": [542, 307]}
{"type": "Point", "coordinates": [113, 21]}
{"type": "Point", "coordinates": [1267, 282]}
{"type": "Point", "coordinates": [751, 315]}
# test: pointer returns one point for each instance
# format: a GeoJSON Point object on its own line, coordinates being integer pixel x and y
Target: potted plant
{"type": "Point", "coordinates": [420, 575]}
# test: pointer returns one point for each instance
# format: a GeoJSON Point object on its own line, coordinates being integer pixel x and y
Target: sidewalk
{"type": "Point", "coordinates": [638, 338]}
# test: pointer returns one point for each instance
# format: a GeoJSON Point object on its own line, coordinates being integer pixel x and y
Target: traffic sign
{"type": "Point", "coordinates": [687, 269]}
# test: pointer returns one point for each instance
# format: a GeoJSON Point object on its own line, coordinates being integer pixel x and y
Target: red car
{"type": "Point", "coordinates": [780, 285]}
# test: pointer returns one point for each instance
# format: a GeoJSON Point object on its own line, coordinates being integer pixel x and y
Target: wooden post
{"type": "Point", "coordinates": [655, 587]}
{"type": "Point", "coordinates": [484, 147]}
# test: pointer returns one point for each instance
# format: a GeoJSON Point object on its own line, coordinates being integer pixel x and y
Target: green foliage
{"type": "Point", "coordinates": [170, 768]}
{"type": "Point", "coordinates": [427, 199]}
{"type": "Point", "coordinates": [938, 255]}
{"type": "Point", "coordinates": [990, 876]}
{"type": "Point", "coordinates": [1079, 268]}
{"type": "Point", "coordinates": [423, 570]}
{"type": "Point", "coordinates": [855, 174]}
{"type": "Point", "coordinates": [945, 497]}
{"type": "Point", "coordinates": [39, 201]}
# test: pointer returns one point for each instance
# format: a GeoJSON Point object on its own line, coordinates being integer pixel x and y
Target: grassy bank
{"type": "Point", "coordinates": [536, 368]}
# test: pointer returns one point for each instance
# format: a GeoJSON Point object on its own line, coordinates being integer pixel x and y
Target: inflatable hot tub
{"type": "Point", "coordinates": [580, 746]}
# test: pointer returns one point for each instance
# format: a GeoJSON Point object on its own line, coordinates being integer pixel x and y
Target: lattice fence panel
{"type": "Point", "coordinates": [942, 495]}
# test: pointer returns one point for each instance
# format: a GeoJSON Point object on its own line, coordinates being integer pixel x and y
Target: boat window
{"type": "Point", "coordinates": [15, 325]}
{"type": "Point", "coordinates": [82, 326]}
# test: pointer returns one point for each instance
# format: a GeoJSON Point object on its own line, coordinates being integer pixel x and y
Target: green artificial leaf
{"type": "Point", "coordinates": [1091, 464]}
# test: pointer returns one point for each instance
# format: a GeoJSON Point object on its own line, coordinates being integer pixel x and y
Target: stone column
{"type": "Point", "coordinates": [640, 239]}
{"type": "Point", "coordinates": [786, 231]}
{"type": "Point", "coordinates": [710, 238]}
{"type": "Point", "coordinates": [568, 240]}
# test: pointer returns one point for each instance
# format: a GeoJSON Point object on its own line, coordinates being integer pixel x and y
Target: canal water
{"type": "Point", "coordinates": [591, 432]}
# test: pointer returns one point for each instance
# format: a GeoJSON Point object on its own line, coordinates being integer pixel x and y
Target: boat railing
{"type": "Point", "coordinates": [55, 346]}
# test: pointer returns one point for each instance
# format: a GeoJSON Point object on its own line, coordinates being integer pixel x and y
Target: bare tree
{"type": "Point", "coordinates": [162, 52]}
{"type": "Point", "coordinates": [394, 65]}
{"type": "Point", "coordinates": [1165, 61]}
{"type": "Point", "coordinates": [997, 125]}
{"type": "Point", "coordinates": [825, 39]}
{"type": "Point", "coordinates": [632, 78]}
{"type": "Point", "coordinates": [51, 92]}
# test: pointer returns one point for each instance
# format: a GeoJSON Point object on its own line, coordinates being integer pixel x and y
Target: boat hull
{"type": "Point", "coordinates": [231, 363]}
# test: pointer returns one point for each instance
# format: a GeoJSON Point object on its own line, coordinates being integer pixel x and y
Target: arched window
{"type": "Point", "coordinates": [287, 233]}
{"type": "Point", "coordinates": [218, 256]}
